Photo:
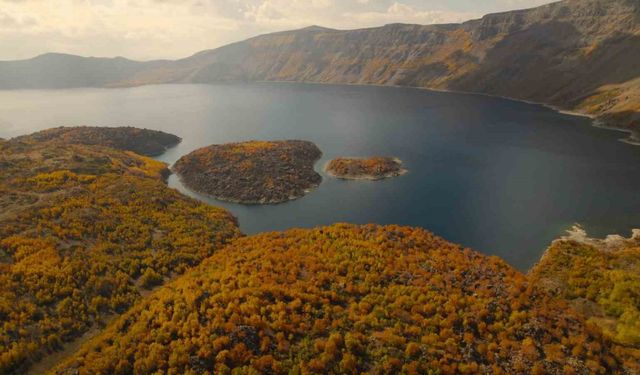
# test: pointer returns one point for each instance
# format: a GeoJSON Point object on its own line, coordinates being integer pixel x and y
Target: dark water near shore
{"type": "Point", "coordinates": [500, 176]}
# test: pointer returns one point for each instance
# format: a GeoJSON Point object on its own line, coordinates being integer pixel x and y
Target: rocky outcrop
{"type": "Point", "coordinates": [612, 242]}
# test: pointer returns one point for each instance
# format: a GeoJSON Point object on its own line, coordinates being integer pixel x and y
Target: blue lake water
{"type": "Point", "coordinates": [500, 176]}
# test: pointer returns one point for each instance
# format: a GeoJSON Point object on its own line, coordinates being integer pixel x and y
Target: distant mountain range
{"type": "Point", "coordinates": [579, 55]}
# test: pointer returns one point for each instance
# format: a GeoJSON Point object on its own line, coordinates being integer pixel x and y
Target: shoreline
{"type": "Point", "coordinates": [596, 121]}
{"type": "Point", "coordinates": [576, 233]}
{"type": "Point", "coordinates": [634, 141]}
{"type": "Point", "coordinates": [239, 201]}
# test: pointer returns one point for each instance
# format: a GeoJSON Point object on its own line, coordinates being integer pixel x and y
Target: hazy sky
{"type": "Point", "coordinates": [149, 29]}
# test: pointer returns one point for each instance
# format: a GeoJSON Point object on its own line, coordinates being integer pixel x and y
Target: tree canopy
{"type": "Point", "coordinates": [348, 299]}
{"type": "Point", "coordinates": [79, 226]}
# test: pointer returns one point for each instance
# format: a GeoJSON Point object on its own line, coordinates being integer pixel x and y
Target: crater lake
{"type": "Point", "coordinates": [500, 176]}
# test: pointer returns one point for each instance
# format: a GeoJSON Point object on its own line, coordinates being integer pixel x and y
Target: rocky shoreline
{"type": "Point", "coordinates": [240, 201]}
{"type": "Point", "coordinates": [611, 242]}
{"type": "Point", "coordinates": [632, 139]}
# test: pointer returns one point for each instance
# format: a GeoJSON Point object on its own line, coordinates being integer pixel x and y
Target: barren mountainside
{"type": "Point", "coordinates": [576, 54]}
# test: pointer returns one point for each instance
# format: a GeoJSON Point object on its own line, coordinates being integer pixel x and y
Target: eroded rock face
{"type": "Point", "coordinates": [374, 168]}
{"type": "Point", "coordinates": [255, 172]}
{"type": "Point", "coordinates": [141, 141]}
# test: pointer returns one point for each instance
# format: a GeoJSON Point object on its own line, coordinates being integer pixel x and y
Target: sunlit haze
{"type": "Point", "coordinates": [154, 29]}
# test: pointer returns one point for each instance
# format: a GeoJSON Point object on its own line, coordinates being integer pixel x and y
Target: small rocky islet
{"type": "Point", "coordinates": [253, 172]}
{"type": "Point", "coordinates": [373, 168]}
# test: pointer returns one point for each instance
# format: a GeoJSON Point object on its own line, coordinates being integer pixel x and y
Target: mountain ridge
{"type": "Point", "coordinates": [577, 55]}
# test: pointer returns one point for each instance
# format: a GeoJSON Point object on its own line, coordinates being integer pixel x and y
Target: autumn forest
{"type": "Point", "coordinates": [91, 238]}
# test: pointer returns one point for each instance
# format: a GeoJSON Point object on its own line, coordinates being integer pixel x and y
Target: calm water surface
{"type": "Point", "coordinates": [500, 176]}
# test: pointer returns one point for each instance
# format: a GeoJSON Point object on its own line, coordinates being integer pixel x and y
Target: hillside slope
{"type": "Point", "coordinates": [347, 299]}
{"type": "Point", "coordinates": [83, 231]}
{"type": "Point", "coordinates": [576, 54]}
{"type": "Point", "coordinates": [55, 70]}
{"type": "Point", "coordinates": [141, 141]}
{"type": "Point", "coordinates": [600, 279]}
{"type": "Point", "coordinates": [581, 55]}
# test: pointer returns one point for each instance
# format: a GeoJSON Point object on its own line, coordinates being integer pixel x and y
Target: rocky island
{"type": "Point", "coordinates": [374, 168]}
{"type": "Point", "coordinates": [254, 172]}
{"type": "Point", "coordinates": [141, 141]}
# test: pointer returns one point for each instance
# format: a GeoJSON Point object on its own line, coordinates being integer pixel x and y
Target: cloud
{"type": "Point", "coordinates": [141, 29]}
{"type": "Point", "coordinates": [289, 13]}
{"type": "Point", "coordinates": [8, 21]}
{"type": "Point", "coordinates": [522, 3]}
{"type": "Point", "coordinates": [399, 12]}
{"type": "Point", "coordinates": [148, 29]}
